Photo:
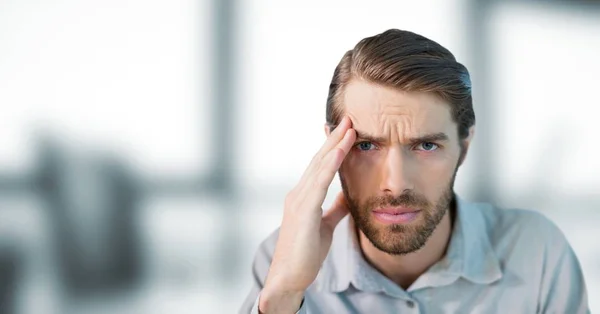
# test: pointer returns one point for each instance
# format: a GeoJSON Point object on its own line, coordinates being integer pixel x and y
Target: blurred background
{"type": "Point", "coordinates": [146, 146]}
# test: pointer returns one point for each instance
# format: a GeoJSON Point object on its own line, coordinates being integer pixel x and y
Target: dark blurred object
{"type": "Point", "coordinates": [92, 199]}
{"type": "Point", "coordinates": [9, 276]}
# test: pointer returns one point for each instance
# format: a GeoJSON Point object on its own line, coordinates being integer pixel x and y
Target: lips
{"type": "Point", "coordinates": [395, 210]}
{"type": "Point", "coordinates": [396, 215]}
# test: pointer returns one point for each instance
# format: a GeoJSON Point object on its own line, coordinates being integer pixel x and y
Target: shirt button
{"type": "Point", "coordinates": [410, 304]}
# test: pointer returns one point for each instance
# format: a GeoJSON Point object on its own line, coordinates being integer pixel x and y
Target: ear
{"type": "Point", "coordinates": [465, 144]}
{"type": "Point", "coordinates": [327, 129]}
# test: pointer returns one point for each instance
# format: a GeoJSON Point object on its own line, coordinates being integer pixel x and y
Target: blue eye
{"type": "Point", "coordinates": [427, 146]}
{"type": "Point", "coordinates": [365, 146]}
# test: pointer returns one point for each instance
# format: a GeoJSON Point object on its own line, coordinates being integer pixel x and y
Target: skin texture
{"type": "Point", "coordinates": [396, 170]}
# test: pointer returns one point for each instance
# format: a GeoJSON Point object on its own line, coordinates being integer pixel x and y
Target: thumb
{"type": "Point", "coordinates": [338, 210]}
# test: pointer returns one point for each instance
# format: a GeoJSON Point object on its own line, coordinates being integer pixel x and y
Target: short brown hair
{"type": "Point", "coordinates": [409, 62]}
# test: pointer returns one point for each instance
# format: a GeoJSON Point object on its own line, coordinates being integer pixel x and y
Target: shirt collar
{"type": "Point", "coordinates": [469, 255]}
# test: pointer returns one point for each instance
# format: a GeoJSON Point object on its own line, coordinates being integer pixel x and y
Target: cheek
{"type": "Point", "coordinates": [433, 173]}
{"type": "Point", "coordinates": [360, 164]}
{"type": "Point", "coordinates": [360, 172]}
{"type": "Point", "coordinates": [358, 159]}
{"type": "Point", "coordinates": [432, 164]}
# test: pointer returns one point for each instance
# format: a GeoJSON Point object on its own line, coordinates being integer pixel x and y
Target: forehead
{"type": "Point", "coordinates": [382, 110]}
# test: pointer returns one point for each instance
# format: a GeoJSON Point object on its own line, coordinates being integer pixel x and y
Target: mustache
{"type": "Point", "coordinates": [403, 200]}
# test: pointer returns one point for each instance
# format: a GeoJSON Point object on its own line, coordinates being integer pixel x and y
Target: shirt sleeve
{"type": "Point", "coordinates": [302, 309]}
{"type": "Point", "coordinates": [260, 268]}
{"type": "Point", "coordinates": [563, 286]}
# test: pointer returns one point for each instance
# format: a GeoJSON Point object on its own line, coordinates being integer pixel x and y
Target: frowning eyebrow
{"type": "Point", "coordinates": [434, 137]}
{"type": "Point", "coordinates": [362, 136]}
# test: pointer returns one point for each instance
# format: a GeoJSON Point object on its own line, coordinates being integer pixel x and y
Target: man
{"type": "Point", "coordinates": [399, 124]}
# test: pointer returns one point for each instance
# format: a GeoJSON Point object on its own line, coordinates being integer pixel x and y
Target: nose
{"type": "Point", "coordinates": [396, 172]}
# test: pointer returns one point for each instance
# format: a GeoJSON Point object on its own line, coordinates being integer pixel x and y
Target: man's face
{"type": "Point", "coordinates": [398, 178]}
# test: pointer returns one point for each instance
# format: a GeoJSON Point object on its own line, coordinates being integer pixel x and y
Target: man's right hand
{"type": "Point", "coordinates": [305, 234]}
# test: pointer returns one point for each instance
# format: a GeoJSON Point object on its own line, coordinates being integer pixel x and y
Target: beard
{"type": "Point", "coordinates": [400, 239]}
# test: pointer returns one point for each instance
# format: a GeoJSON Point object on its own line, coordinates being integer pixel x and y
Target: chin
{"type": "Point", "coordinates": [396, 239]}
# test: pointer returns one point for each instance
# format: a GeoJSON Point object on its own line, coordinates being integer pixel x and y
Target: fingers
{"type": "Point", "coordinates": [332, 162]}
{"type": "Point", "coordinates": [317, 183]}
{"type": "Point", "coordinates": [334, 138]}
{"type": "Point", "coordinates": [337, 212]}
{"type": "Point", "coordinates": [316, 179]}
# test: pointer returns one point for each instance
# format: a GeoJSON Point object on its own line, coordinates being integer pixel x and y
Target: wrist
{"type": "Point", "coordinates": [273, 300]}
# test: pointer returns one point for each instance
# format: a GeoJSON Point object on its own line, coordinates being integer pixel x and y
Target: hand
{"type": "Point", "coordinates": [305, 234]}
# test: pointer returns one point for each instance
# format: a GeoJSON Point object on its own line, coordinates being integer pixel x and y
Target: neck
{"type": "Point", "coordinates": [405, 269]}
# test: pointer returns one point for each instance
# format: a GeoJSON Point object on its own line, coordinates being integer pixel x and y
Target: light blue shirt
{"type": "Point", "coordinates": [497, 261]}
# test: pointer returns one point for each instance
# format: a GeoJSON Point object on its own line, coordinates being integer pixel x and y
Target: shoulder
{"type": "Point", "coordinates": [512, 230]}
{"type": "Point", "coordinates": [520, 223]}
{"type": "Point", "coordinates": [534, 253]}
